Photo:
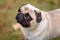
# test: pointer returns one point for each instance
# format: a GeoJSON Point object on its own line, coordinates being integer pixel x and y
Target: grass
{"type": "Point", "coordinates": [8, 11]}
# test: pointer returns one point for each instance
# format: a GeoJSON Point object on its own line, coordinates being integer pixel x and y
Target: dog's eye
{"type": "Point", "coordinates": [19, 10]}
{"type": "Point", "coordinates": [28, 17]}
{"type": "Point", "coordinates": [27, 14]}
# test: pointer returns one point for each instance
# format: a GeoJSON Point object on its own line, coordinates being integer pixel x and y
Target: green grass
{"type": "Point", "coordinates": [8, 11]}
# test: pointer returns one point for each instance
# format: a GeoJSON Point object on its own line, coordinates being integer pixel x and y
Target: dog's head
{"type": "Point", "coordinates": [28, 16]}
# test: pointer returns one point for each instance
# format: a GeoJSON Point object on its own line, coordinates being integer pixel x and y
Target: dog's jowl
{"type": "Point", "coordinates": [37, 24]}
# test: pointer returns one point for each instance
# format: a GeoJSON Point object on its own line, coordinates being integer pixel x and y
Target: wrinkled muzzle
{"type": "Point", "coordinates": [24, 21]}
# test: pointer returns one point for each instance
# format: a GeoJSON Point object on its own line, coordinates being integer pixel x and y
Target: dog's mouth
{"type": "Point", "coordinates": [24, 20]}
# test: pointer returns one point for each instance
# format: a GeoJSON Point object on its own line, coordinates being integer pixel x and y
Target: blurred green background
{"type": "Point", "coordinates": [8, 11]}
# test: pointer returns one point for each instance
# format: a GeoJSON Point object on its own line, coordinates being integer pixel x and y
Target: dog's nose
{"type": "Point", "coordinates": [19, 17]}
{"type": "Point", "coordinates": [24, 20]}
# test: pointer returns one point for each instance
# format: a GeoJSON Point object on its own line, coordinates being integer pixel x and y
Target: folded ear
{"type": "Point", "coordinates": [38, 16]}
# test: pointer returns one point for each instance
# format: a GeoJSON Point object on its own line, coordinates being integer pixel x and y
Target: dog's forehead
{"type": "Point", "coordinates": [26, 6]}
{"type": "Point", "coordinates": [29, 6]}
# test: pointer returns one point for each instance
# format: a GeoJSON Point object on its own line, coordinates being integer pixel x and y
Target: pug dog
{"type": "Point", "coordinates": [37, 24]}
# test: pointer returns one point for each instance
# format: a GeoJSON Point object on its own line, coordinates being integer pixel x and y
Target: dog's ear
{"type": "Point", "coordinates": [38, 16]}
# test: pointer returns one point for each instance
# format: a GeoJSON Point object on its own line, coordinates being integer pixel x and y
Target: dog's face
{"type": "Point", "coordinates": [28, 16]}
